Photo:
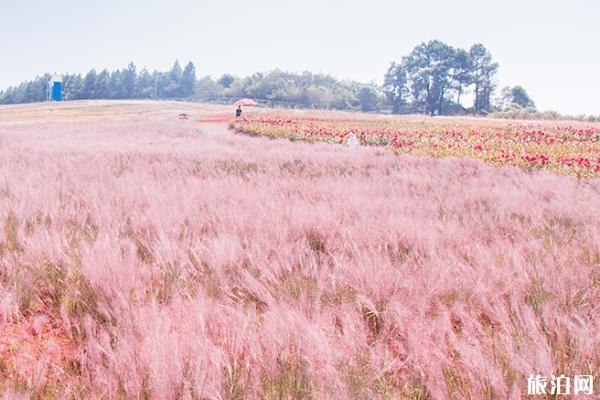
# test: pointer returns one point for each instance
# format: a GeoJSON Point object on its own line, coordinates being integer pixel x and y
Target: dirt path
{"type": "Point", "coordinates": [215, 129]}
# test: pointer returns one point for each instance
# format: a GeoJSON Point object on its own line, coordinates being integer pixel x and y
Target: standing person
{"type": "Point", "coordinates": [238, 112]}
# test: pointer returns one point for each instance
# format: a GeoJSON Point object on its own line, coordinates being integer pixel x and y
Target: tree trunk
{"type": "Point", "coordinates": [476, 104]}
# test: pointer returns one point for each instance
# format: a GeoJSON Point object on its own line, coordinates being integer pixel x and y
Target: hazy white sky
{"type": "Point", "coordinates": [548, 46]}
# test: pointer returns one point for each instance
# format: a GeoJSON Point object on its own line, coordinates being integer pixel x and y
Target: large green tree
{"type": "Point", "coordinates": [514, 96]}
{"type": "Point", "coordinates": [188, 80]}
{"type": "Point", "coordinates": [226, 80]}
{"type": "Point", "coordinates": [521, 97]}
{"type": "Point", "coordinates": [115, 85]}
{"type": "Point", "coordinates": [434, 76]}
{"type": "Point", "coordinates": [102, 89]}
{"type": "Point", "coordinates": [462, 72]}
{"type": "Point", "coordinates": [428, 67]}
{"type": "Point", "coordinates": [172, 82]}
{"type": "Point", "coordinates": [368, 98]}
{"type": "Point", "coordinates": [394, 87]}
{"type": "Point", "coordinates": [484, 71]}
{"type": "Point", "coordinates": [37, 90]}
{"type": "Point", "coordinates": [208, 89]}
{"type": "Point", "coordinates": [73, 87]}
{"type": "Point", "coordinates": [89, 85]}
{"type": "Point", "coordinates": [128, 81]}
{"type": "Point", "coordinates": [144, 88]}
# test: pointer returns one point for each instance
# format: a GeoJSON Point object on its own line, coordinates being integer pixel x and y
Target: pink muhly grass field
{"type": "Point", "coordinates": [148, 257]}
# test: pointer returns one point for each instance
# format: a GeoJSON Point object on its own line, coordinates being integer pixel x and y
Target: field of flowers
{"type": "Point", "coordinates": [143, 256]}
{"type": "Point", "coordinates": [564, 148]}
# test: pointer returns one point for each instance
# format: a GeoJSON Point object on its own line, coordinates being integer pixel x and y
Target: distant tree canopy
{"type": "Point", "coordinates": [511, 97]}
{"type": "Point", "coordinates": [434, 76]}
{"type": "Point", "coordinates": [126, 83]}
{"type": "Point", "coordinates": [303, 90]}
{"type": "Point", "coordinates": [278, 87]}
{"type": "Point", "coordinates": [432, 79]}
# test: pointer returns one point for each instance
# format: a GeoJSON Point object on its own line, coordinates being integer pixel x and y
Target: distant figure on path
{"type": "Point", "coordinates": [238, 112]}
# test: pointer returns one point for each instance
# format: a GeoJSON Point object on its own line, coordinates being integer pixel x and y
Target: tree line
{"type": "Point", "coordinates": [303, 90]}
{"type": "Point", "coordinates": [433, 79]}
{"type": "Point", "coordinates": [125, 83]}
{"type": "Point", "coordinates": [434, 76]}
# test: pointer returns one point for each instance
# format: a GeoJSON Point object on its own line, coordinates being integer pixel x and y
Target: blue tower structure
{"type": "Point", "coordinates": [55, 88]}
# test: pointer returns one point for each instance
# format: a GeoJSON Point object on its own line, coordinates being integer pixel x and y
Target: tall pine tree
{"type": "Point", "coordinates": [188, 80]}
